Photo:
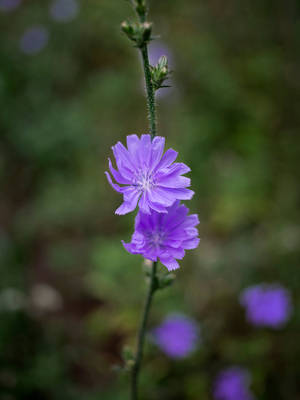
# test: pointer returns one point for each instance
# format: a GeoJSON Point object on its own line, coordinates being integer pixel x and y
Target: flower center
{"type": "Point", "coordinates": [156, 238]}
{"type": "Point", "coordinates": [144, 181]}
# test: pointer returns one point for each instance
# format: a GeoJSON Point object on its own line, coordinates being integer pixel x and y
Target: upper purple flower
{"type": "Point", "coordinates": [233, 384]}
{"type": "Point", "coordinates": [177, 336]}
{"type": "Point", "coordinates": [267, 305]}
{"type": "Point", "coordinates": [148, 176]}
{"type": "Point", "coordinates": [164, 236]}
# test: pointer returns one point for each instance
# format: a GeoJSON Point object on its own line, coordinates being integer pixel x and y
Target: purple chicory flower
{"type": "Point", "coordinates": [151, 180]}
{"type": "Point", "coordinates": [34, 39]}
{"type": "Point", "coordinates": [64, 10]}
{"type": "Point", "coordinates": [267, 305]}
{"type": "Point", "coordinates": [177, 336]}
{"type": "Point", "coordinates": [9, 5]}
{"type": "Point", "coordinates": [164, 236]}
{"type": "Point", "coordinates": [233, 384]}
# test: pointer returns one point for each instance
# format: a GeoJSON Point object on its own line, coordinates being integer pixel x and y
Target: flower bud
{"type": "Point", "coordinates": [140, 7]}
{"type": "Point", "coordinates": [163, 62]}
{"type": "Point", "coordinates": [147, 29]}
{"type": "Point", "coordinates": [127, 28]}
{"type": "Point", "coordinates": [140, 33]}
{"type": "Point", "coordinates": [160, 73]}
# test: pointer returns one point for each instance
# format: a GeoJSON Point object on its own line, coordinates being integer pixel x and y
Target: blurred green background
{"type": "Point", "coordinates": [70, 295]}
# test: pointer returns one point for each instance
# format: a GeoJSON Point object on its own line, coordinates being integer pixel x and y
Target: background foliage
{"type": "Point", "coordinates": [70, 296]}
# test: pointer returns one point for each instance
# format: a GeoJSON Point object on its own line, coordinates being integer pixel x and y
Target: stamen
{"type": "Point", "coordinates": [144, 181]}
{"type": "Point", "coordinates": [157, 238]}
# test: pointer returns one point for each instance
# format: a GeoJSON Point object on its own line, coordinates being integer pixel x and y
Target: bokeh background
{"type": "Point", "coordinates": [70, 296]}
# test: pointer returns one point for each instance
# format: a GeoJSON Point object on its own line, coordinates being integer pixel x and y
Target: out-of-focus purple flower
{"type": "Point", "coordinates": [9, 5]}
{"type": "Point", "coordinates": [177, 336]}
{"type": "Point", "coordinates": [233, 384]}
{"type": "Point", "coordinates": [64, 10]}
{"type": "Point", "coordinates": [165, 236]}
{"type": "Point", "coordinates": [34, 39]}
{"type": "Point", "coordinates": [267, 305]}
{"type": "Point", "coordinates": [148, 176]}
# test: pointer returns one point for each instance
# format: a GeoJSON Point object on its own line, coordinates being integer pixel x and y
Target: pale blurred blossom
{"type": "Point", "coordinates": [45, 298]}
{"type": "Point", "coordinates": [12, 299]}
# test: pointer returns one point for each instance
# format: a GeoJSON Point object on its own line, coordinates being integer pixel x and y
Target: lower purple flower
{"type": "Point", "coordinates": [267, 305]}
{"type": "Point", "coordinates": [233, 384]}
{"type": "Point", "coordinates": [177, 336]}
{"type": "Point", "coordinates": [164, 236]}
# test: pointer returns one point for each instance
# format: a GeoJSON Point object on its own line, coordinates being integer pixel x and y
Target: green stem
{"type": "Point", "coordinates": [153, 285]}
{"type": "Point", "coordinates": [141, 335]}
{"type": "Point", "coordinates": [149, 87]}
{"type": "Point", "coordinates": [149, 91]}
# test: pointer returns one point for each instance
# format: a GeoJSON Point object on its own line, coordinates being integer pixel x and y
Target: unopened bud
{"type": "Point", "coordinates": [160, 73]}
{"type": "Point", "coordinates": [163, 62]}
{"type": "Point", "coordinates": [127, 28]}
{"type": "Point", "coordinates": [140, 33]}
{"type": "Point", "coordinates": [147, 31]}
{"type": "Point", "coordinates": [124, 26]}
{"type": "Point", "coordinates": [140, 7]}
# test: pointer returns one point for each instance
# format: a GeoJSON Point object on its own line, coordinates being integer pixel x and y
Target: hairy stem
{"type": "Point", "coordinates": [152, 285]}
{"type": "Point", "coordinates": [141, 335]}
{"type": "Point", "coordinates": [149, 87]}
{"type": "Point", "coordinates": [149, 91]}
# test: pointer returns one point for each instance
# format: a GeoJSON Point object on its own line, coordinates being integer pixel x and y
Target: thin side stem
{"type": "Point", "coordinates": [149, 91]}
{"type": "Point", "coordinates": [141, 334]}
